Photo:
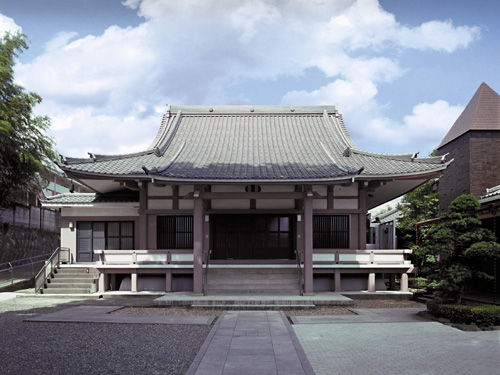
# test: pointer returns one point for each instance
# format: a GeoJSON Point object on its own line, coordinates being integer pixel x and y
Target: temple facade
{"type": "Point", "coordinates": [242, 188]}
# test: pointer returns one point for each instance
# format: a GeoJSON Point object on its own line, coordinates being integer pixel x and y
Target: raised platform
{"type": "Point", "coordinates": [254, 301]}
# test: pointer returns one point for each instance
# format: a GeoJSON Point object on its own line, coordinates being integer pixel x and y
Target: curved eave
{"type": "Point", "coordinates": [409, 175]}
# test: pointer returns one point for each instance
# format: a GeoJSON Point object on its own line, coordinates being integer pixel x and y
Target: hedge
{"type": "Point", "coordinates": [482, 316]}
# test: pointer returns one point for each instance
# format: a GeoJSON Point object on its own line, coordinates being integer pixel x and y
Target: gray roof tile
{"type": "Point", "coordinates": [234, 143]}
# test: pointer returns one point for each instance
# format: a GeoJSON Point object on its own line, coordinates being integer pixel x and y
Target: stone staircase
{"type": "Point", "coordinates": [252, 281]}
{"type": "Point", "coordinates": [71, 280]}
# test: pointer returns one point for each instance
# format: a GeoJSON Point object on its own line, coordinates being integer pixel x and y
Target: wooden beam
{"type": "Point", "coordinates": [250, 195]}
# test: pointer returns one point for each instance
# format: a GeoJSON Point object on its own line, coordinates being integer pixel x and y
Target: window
{"type": "Point", "coordinates": [103, 235]}
{"type": "Point", "coordinates": [331, 231]}
{"type": "Point", "coordinates": [174, 232]}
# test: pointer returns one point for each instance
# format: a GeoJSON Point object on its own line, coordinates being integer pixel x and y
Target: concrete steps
{"type": "Point", "coordinates": [71, 281]}
{"type": "Point", "coordinates": [252, 281]}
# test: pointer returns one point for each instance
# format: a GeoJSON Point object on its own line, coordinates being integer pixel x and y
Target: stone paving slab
{"type": "Point", "coordinates": [251, 342]}
{"type": "Point", "coordinates": [378, 315]}
{"type": "Point", "coordinates": [399, 348]}
{"type": "Point", "coordinates": [101, 314]}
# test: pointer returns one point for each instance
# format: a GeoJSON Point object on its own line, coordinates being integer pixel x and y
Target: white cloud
{"type": "Point", "coordinates": [7, 25]}
{"type": "Point", "coordinates": [189, 52]}
{"type": "Point", "coordinates": [424, 129]}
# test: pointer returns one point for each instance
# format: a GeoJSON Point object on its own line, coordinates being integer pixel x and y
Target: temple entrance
{"type": "Point", "coordinates": [252, 236]}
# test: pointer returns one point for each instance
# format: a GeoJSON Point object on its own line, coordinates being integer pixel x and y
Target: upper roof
{"type": "Point", "coordinates": [482, 113]}
{"type": "Point", "coordinates": [251, 143]}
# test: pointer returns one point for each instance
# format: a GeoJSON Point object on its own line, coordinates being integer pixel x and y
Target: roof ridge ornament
{"type": "Point", "coordinates": [156, 171]}
{"type": "Point", "coordinates": [346, 170]}
{"type": "Point", "coordinates": [414, 155]}
{"type": "Point", "coordinates": [443, 158]}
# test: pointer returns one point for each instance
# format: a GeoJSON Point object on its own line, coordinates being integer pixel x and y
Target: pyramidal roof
{"type": "Point", "coordinates": [482, 113]}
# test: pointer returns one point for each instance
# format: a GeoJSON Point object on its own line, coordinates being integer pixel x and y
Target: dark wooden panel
{"type": "Point", "coordinates": [252, 236]}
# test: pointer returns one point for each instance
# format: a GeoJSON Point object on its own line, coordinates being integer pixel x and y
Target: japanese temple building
{"type": "Point", "coordinates": [242, 187]}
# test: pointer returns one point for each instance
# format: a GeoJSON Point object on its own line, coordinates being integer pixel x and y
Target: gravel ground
{"type": "Point", "coordinates": [91, 348]}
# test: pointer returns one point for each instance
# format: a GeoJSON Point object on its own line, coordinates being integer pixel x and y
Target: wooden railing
{"type": "Point", "coordinates": [361, 257]}
{"type": "Point", "coordinates": [62, 254]}
{"type": "Point", "coordinates": [158, 257]}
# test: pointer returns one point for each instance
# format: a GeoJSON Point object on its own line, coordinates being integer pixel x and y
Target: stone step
{"type": "Point", "coordinates": [238, 286]}
{"type": "Point", "coordinates": [72, 270]}
{"type": "Point", "coordinates": [72, 279]}
{"type": "Point", "coordinates": [254, 307]}
{"type": "Point", "coordinates": [68, 285]}
{"type": "Point", "coordinates": [255, 291]}
{"type": "Point", "coordinates": [68, 291]}
{"type": "Point", "coordinates": [251, 271]}
{"type": "Point", "coordinates": [281, 299]}
{"type": "Point", "coordinates": [236, 277]}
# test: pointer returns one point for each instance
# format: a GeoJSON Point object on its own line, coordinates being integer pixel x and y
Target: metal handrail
{"type": "Point", "coordinates": [47, 269]}
{"type": "Point", "coordinates": [205, 271]}
{"type": "Point", "coordinates": [298, 256]}
{"type": "Point", "coordinates": [7, 266]}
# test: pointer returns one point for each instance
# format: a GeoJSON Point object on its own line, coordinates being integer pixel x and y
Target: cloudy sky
{"type": "Point", "coordinates": [400, 71]}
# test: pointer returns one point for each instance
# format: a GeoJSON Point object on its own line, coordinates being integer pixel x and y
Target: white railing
{"type": "Point", "coordinates": [362, 257]}
{"type": "Point", "coordinates": [138, 257]}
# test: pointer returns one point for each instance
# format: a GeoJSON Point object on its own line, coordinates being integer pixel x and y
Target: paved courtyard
{"type": "Point", "coordinates": [398, 348]}
{"type": "Point", "coordinates": [373, 341]}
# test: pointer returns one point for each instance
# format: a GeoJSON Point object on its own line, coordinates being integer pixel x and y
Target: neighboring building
{"type": "Point", "coordinates": [383, 230]}
{"type": "Point", "coordinates": [490, 217]}
{"type": "Point", "coordinates": [473, 142]}
{"type": "Point", "coordinates": [239, 187]}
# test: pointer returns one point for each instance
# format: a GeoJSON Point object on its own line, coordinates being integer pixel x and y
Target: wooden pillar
{"type": "Point", "coordinates": [198, 223]}
{"type": "Point", "coordinates": [168, 280]}
{"type": "Point", "coordinates": [308, 243]}
{"type": "Point", "coordinates": [404, 282]}
{"type": "Point", "coordinates": [371, 282]}
{"type": "Point", "coordinates": [362, 217]}
{"type": "Point", "coordinates": [143, 220]}
{"type": "Point", "coordinates": [133, 282]}
{"type": "Point", "coordinates": [103, 282]}
{"type": "Point", "coordinates": [337, 281]}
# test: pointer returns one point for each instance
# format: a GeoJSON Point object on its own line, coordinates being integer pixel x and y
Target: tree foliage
{"type": "Point", "coordinates": [451, 248]}
{"type": "Point", "coordinates": [24, 147]}
{"type": "Point", "coordinates": [418, 205]}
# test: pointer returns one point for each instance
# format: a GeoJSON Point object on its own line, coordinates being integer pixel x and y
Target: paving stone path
{"type": "Point", "coordinates": [251, 342]}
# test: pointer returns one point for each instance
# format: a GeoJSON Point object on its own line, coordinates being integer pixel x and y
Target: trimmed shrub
{"type": "Point", "coordinates": [482, 316]}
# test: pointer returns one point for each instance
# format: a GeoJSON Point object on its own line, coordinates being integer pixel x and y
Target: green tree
{"type": "Point", "coordinates": [24, 147]}
{"type": "Point", "coordinates": [416, 206]}
{"type": "Point", "coordinates": [450, 249]}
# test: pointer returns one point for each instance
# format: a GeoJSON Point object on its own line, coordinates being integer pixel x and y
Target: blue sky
{"type": "Point", "coordinates": [400, 71]}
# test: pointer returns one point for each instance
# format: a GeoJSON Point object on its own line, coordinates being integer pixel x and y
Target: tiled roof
{"type": "Point", "coordinates": [482, 113]}
{"type": "Point", "coordinates": [491, 194]}
{"type": "Point", "coordinates": [89, 198]}
{"type": "Point", "coordinates": [260, 143]}
{"type": "Point", "coordinates": [388, 216]}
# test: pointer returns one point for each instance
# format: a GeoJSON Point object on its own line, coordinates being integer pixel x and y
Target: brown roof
{"type": "Point", "coordinates": [482, 113]}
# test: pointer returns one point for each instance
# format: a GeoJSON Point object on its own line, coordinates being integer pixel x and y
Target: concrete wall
{"type": "Point", "coordinates": [18, 243]}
